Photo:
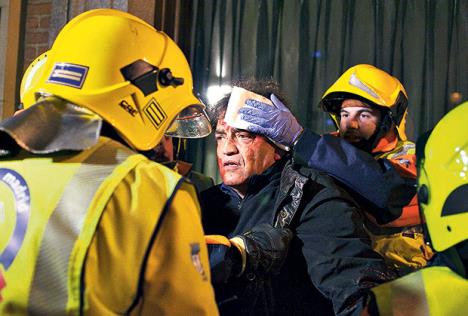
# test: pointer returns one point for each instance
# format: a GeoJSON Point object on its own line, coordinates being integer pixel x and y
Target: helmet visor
{"type": "Point", "coordinates": [191, 122]}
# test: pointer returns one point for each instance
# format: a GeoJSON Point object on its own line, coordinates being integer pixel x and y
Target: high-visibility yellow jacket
{"type": "Point", "coordinates": [402, 243]}
{"type": "Point", "coordinates": [103, 231]}
{"type": "Point", "coordinates": [429, 291]}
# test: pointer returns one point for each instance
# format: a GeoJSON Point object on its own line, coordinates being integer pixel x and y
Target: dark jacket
{"type": "Point", "coordinates": [330, 264]}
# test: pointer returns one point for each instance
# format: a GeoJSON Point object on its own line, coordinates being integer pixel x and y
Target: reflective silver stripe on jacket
{"type": "Point", "coordinates": [48, 294]}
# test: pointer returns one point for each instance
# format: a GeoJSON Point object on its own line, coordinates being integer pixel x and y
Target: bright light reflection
{"type": "Point", "coordinates": [464, 157]}
{"type": "Point", "coordinates": [220, 69]}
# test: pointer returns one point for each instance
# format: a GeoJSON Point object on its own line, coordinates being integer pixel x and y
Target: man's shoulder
{"type": "Point", "coordinates": [216, 189]}
{"type": "Point", "coordinates": [319, 183]}
{"type": "Point", "coordinates": [201, 181]}
{"type": "Point", "coordinates": [317, 176]}
{"type": "Point", "coordinates": [219, 196]}
{"type": "Point", "coordinates": [213, 195]}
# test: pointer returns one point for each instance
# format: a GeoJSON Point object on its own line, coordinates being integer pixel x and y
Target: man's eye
{"type": "Point", "coordinates": [344, 114]}
{"type": "Point", "coordinates": [365, 116]}
{"type": "Point", "coordinates": [219, 136]}
{"type": "Point", "coordinates": [244, 136]}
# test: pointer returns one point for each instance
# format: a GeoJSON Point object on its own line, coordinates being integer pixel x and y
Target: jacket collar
{"type": "Point", "coordinates": [386, 143]}
{"type": "Point", "coordinates": [259, 181]}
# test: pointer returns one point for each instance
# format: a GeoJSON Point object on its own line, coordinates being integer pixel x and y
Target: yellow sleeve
{"type": "Point", "coordinates": [177, 278]}
{"type": "Point", "coordinates": [125, 266]}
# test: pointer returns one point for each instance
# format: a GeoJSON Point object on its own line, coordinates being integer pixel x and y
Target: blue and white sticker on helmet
{"type": "Point", "coordinates": [68, 75]}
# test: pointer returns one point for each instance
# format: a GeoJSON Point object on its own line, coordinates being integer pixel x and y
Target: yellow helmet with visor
{"type": "Point", "coordinates": [372, 86]}
{"type": "Point", "coordinates": [133, 76]}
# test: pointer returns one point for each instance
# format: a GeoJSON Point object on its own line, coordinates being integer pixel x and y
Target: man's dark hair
{"type": "Point", "coordinates": [263, 87]}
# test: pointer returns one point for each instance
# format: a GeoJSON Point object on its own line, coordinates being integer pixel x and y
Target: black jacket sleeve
{"type": "Point", "coordinates": [375, 183]}
{"type": "Point", "coordinates": [340, 261]}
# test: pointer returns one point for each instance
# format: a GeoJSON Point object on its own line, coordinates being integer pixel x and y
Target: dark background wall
{"type": "Point", "coordinates": [305, 45]}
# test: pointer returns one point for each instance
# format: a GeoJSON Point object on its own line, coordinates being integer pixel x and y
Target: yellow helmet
{"type": "Point", "coordinates": [29, 81]}
{"type": "Point", "coordinates": [372, 86]}
{"type": "Point", "coordinates": [133, 76]}
{"type": "Point", "coordinates": [443, 180]}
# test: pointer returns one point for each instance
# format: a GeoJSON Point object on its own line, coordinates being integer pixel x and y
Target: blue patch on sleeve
{"type": "Point", "coordinates": [68, 75]}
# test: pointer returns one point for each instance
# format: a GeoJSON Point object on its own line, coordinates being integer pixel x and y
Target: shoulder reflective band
{"type": "Point", "coordinates": [49, 286]}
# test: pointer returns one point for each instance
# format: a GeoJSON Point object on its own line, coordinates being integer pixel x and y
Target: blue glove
{"type": "Point", "coordinates": [275, 122]}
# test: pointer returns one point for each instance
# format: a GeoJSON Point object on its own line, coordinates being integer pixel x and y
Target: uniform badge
{"type": "Point", "coordinates": [68, 75]}
{"type": "Point", "coordinates": [155, 113]}
{"type": "Point", "coordinates": [195, 253]}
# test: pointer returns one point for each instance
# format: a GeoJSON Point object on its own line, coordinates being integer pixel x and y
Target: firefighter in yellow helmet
{"type": "Point", "coordinates": [89, 225]}
{"type": "Point", "coordinates": [369, 108]}
{"type": "Point", "coordinates": [371, 156]}
{"type": "Point", "coordinates": [442, 288]}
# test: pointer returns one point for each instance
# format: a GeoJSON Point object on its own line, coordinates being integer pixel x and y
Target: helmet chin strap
{"type": "Point", "coordinates": [382, 129]}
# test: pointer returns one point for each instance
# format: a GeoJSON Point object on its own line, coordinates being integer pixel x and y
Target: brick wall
{"type": "Point", "coordinates": [36, 40]}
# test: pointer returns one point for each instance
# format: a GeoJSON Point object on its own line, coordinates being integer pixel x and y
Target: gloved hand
{"type": "Point", "coordinates": [225, 259]}
{"type": "Point", "coordinates": [260, 251]}
{"type": "Point", "coordinates": [275, 122]}
{"type": "Point", "coordinates": [265, 248]}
